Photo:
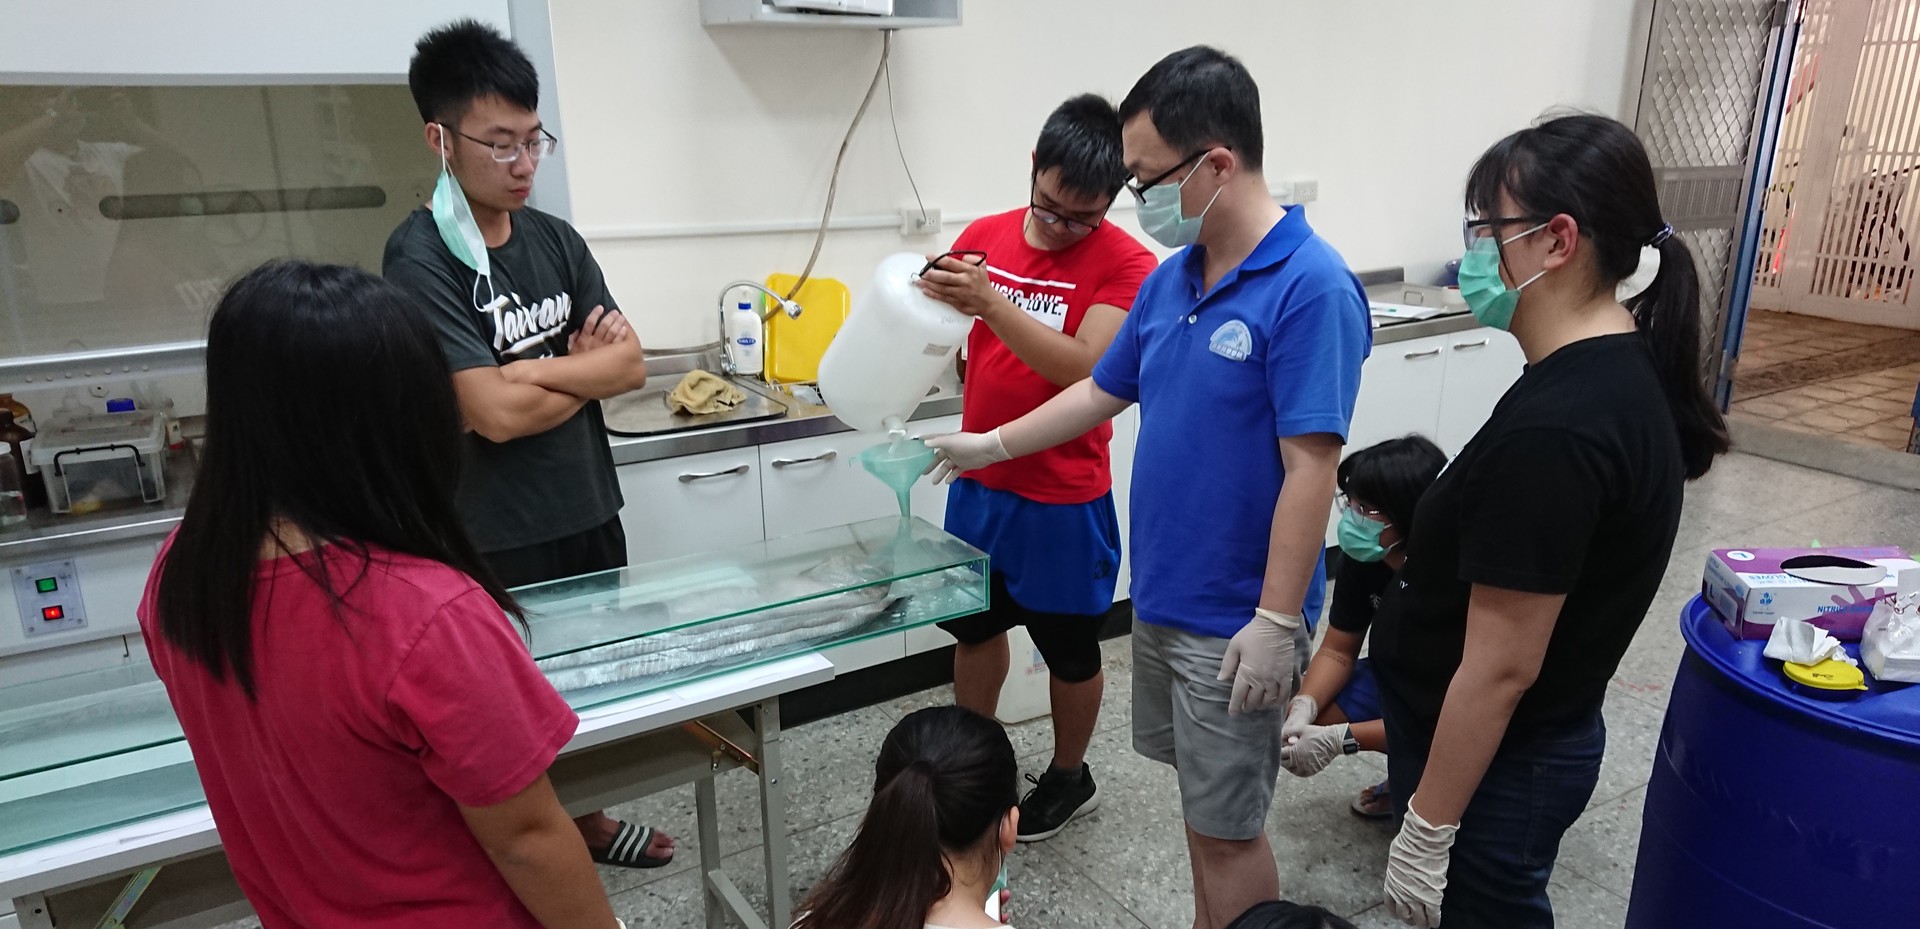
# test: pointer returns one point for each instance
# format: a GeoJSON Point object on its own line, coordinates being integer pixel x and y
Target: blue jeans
{"type": "Point", "coordinates": [1504, 852]}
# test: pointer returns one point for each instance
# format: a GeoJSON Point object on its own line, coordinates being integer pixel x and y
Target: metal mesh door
{"type": "Point", "coordinates": [1700, 96]}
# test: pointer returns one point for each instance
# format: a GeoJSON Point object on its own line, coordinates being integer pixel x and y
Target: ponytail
{"type": "Point", "coordinates": [943, 785]}
{"type": "Point", "coordinates": [1668, 317]}
{"type": "Point", "coordinates": [894, 870]}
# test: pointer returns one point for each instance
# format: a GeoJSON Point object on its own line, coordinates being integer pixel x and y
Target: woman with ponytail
{"type": "Point", "coordinates": [1542, 544]}
{"type": "Point", "coordinates": [943, 818]}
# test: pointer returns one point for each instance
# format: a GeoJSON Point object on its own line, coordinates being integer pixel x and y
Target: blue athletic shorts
{"type": "Point", "coordinates": [1056, 557]}
{"type": "Point", "coordinates": [1360, 699]}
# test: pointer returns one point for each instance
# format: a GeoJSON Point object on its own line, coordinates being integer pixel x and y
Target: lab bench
{"type": "Point", "coordinates": [676, 669]}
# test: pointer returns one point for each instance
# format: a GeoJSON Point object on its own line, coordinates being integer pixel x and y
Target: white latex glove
{"type": "Point", "coordinates": [959, 452]}
{"type": "Point", "coordinates": [1301, 712]}
{"type": "Point", "coordinates": [1417, 870]}
{"type": "Point", "coordinates": [1259, 661]}
{"type": "Point", "coordinates": [1309, 753]}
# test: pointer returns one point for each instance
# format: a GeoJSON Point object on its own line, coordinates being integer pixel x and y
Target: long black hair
{"type": "Point", "coordinates": [330, 415]}
{"type": "Point", "coordinates": [944, 782]}
{"type": "Point", "coordinates": [1595, 170]}
{"type": "Point", "coordinates": [1393, 475]}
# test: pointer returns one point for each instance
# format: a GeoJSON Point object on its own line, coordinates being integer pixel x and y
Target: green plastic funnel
{"type": "Point", "coordinates": [897, 464]}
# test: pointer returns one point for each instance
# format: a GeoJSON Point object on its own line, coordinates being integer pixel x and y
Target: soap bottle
{"type": "Point", "coordinates": [745, 338]}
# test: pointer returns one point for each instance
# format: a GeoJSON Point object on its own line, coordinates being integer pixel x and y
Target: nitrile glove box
{"type": "Point", "coordinates": [1832, 588]}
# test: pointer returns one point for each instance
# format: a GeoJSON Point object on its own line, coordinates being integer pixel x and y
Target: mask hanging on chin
{"type": "Point", "coordinates": [1486, 293]}
{"type": "Point", "coordinates": [453, 216]}
{"type": "Point", "coordinates": [1160, 215]}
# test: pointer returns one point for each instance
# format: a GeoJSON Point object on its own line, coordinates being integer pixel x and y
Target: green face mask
{"type": "Point", "coordinates": [454, 218]}
{"type": "Point", "coordinates": [1489, 297]}
{"type": "Point", "coordinates": [1360, 537]}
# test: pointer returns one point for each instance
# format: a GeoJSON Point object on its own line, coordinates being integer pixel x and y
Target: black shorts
{"type": "Point", "coordinates": [1070, 642]}
{"type": "Point", "coordinates": [602, 548]}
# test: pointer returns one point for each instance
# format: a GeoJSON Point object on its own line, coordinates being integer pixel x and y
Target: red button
{"type": "Point", "coordinates": [53, 613]}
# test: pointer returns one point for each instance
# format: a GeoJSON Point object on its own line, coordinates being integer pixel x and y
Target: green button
{"type": "Point", "coordinates": [46, 585]}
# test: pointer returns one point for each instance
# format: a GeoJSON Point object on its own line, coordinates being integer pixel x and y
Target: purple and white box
{"type": "Point", "coordinates": [1832, 588]}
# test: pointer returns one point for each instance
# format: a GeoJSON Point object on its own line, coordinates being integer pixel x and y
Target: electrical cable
{"type": "Point", "coordinates": [833, 183]}
{"type": "Point", "coordinates": [895, 122]}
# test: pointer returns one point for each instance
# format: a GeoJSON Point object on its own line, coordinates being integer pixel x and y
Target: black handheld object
{"type": "Point", "coordinates": [979, 257]}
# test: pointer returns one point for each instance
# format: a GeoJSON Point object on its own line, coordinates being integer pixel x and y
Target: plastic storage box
{"type": "Point", "coordinates": [93, 462]}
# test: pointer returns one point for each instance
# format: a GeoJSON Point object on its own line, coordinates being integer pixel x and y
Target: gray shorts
{"type": "Point", "coordinates": [1227, 765]}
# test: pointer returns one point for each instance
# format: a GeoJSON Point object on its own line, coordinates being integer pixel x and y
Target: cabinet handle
{"type": "Point", "coordinates": [1422, 354]}
{"type": "Point", "coordinates": [1480, 344]}
{"type": "Point", "coordinates": [730, 472]}
{"type": "Point", "coordinates": [827, 455]}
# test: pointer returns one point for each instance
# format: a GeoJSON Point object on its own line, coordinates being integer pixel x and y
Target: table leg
{"type": "Point", "coordinates": [32, 912]}
{"type": "Point", "coordinates": [773, 813]}
{"type": "Point", "coordinates": [707, 814]}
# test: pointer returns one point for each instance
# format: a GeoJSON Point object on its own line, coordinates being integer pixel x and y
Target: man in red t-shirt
{"type": "Point", "coordinates": [1056, 284]}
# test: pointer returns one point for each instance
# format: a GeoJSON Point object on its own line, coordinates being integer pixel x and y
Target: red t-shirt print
{"type": "Point", "coordinates": [336, 793]}
{"type": "Point", "coordinates": [1055, 288]}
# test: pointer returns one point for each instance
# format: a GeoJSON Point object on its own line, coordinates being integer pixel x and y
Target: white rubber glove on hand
{"type": "Point", "coordinates": [1311, 752]}
{"type": "Point", "coordinates": [960, 452]}
{"type": "Point", "coordinates": [1417, 870]}
{"type": "Point", "coordinates": [1260, 662]}
{"type": "Point", "coordinates": [1301, 712]}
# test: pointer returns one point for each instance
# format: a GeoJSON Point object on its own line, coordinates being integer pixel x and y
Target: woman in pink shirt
{"type": "Point", "coordinates": [370, 727]}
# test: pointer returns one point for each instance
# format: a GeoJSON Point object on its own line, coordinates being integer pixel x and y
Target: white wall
{"type": "Point", "coordinates": [673, 128]}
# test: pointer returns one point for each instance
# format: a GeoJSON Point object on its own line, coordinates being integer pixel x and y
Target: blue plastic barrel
{"type": "Point", "coordinates": [1772, 809]}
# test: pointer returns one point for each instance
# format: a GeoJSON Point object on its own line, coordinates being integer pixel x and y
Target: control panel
{"type": "Point", "coordinates": [49, 598]}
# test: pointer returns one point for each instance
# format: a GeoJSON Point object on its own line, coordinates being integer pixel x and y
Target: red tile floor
{"type": "Point", "coordinates": [1825, 377]}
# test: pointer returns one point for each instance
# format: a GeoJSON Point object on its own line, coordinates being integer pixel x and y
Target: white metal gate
{"type": "Point", "coordinates": [1842, 212]}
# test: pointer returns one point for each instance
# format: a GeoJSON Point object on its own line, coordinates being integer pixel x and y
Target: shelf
{"type": "Point", "coordinates": [91, 751]}
{"type": "Point", "coordinates": [908, 14]}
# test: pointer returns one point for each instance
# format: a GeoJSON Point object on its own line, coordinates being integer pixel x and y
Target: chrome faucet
{"type": "Point", "coordinates": [780, 303]}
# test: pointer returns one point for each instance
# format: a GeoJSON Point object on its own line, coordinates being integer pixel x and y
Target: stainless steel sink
{"type": "Point", "coordinates": [645, 411]}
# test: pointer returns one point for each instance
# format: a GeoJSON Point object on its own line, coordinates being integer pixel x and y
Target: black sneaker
{"type": "Point", "coordinates": [1054, 802]}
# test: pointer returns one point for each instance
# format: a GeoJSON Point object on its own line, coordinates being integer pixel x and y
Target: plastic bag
{"type": "Point", "coordinates": [1890, 646]}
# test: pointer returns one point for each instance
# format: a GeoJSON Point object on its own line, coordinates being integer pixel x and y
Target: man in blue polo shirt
{"type": "Point", "coordinates": [1244, 352]}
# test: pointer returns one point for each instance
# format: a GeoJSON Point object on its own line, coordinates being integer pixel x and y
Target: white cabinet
{"type": "Point", "coordinates": [697, 503]}
{"type": "Point", "coordinates": [1400, 391]}
{"type": "Point", "coordinates": [1481, 365]}
{"type": "Point", "coordinates": [1441, 386]}
{"type": "Point", "coordinates": [812, 484]}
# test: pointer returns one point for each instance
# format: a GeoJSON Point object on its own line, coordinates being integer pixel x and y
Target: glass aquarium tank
{"type": "Point", "coordinates": [92, 751]}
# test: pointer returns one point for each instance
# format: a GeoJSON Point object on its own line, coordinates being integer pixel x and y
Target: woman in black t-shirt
{"type": "Point", "coordinates": [1543, 543]}
{"type": "Point", "coordinates": [1338, 708]}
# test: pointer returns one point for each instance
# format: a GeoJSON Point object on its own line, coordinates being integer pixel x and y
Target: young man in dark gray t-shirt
{"type": "Point", "coordinates": [534, 339]}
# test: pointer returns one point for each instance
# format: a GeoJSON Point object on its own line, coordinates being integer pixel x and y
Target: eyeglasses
{"type": "Point", "coordinates": [1051, 218]}
{"type": "Point", "coordinates": [1139, 189]}
{"type": "Point", "coordinates": [1374, 513]}
{"type": "Point", "coordinates": [509, 152]}
{"type": "Point", "coordinates": [1471, 229]}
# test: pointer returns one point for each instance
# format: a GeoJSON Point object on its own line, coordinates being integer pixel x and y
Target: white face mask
{"type": "Point", "coordinates": [453, 216]}
{"type": "Point", "coordinates": [1161, 217]}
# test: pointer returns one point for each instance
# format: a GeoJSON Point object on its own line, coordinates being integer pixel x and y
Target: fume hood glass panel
{"type": "Point", "coordinates": [92, 751]}
{"type": "Point", "coordinates": [124, 211]}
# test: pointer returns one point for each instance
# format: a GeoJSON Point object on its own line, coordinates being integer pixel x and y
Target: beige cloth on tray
{"type": "Point", "coordinates": [703, 392]}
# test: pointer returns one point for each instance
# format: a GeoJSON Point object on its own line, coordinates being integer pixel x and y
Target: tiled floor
{"type": "Point", "coordinates": [1125, 867]}
{"type": "Point", "coordinates": [1826, 377]}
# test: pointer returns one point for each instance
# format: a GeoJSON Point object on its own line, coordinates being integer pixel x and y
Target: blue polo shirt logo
{"type": "Point", "coordinates": [1232, 341]}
